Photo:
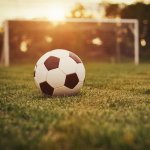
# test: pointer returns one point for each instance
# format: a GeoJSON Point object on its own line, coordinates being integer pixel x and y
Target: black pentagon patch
{"type": "Point", "coordinates": [75, 58]}
{"type": "Point", "coordinates": [51, 63]}
{"type": "Point", "coordinates": [71, 80]}
{"type": "Point", "coordinates": [46, 88]}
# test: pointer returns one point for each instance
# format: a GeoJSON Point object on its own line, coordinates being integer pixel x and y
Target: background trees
{"type": "Point", "coordinates": [138, 11]}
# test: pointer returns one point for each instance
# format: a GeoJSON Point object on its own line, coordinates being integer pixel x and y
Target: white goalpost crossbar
{"type": "Point", "coordinates": [6, 49]}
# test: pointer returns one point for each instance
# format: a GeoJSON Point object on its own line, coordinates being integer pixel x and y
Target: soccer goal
{"type": "Point", "coordinates": [111, 40]}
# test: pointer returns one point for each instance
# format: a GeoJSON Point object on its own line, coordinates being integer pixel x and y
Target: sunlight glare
{"type": "Point", "coordinates": [57, 13]}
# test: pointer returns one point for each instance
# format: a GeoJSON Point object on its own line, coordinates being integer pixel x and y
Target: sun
{"type": "Point", "coordinates": [57, 13]}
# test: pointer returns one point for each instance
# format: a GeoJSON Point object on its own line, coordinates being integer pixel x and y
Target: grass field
{"type": "Point", "coordinates": [112, 112]}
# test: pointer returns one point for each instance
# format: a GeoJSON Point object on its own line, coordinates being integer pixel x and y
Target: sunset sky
{"type": "Point", "coordinates": [10, 9]}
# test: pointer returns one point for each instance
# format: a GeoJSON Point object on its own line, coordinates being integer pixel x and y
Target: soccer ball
{"type": "Point", "coordinates": [59, 73]}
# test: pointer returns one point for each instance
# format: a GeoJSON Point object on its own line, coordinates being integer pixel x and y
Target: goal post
{"type": "Point", "coordinates": [136, 43]}
{"type": "Point", "coordinates": [6, 50]}
{"type": "Point", "coordinates": [122, 21]}
{"type": "Point", "coordinates": [135, 31]}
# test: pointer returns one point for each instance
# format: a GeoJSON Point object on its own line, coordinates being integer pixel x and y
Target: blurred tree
{"type": "Point", "coordinates": [79, 11]}
{"type": "Point", "coordinates": [112, 10]}
{"type": "Point", "coordinates": [141, 12]}
{"type": "Point", "coordinates": [138, 11]}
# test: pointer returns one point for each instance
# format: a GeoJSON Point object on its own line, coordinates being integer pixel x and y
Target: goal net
{"type": "Point", "coordinates": [106, 40]}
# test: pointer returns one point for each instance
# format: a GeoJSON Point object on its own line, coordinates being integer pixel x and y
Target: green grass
{"type": "Point", "coordinates": [112, 111]}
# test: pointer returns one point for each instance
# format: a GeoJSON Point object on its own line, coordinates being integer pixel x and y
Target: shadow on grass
{"type": "Point", "coordinates": [40, 96]}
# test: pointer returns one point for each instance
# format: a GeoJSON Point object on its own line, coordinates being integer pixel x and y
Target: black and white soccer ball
{"type": "Point", "coordinates": [59, 73]}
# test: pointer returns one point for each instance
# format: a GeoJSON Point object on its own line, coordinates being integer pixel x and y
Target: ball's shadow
{"type": "Point", "coordinates": [41, 96]}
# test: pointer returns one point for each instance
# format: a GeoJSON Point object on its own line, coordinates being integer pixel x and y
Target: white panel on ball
{"type": "Point", "coordinates": [64, 91]}
{"type": "Point", "coordinates": [41, 73]}
{"type": "Point", "coordinates": [36, 83]}
{"type": "Point", "coordinates": [56, 78]}
{"type": "Point", "coordinates": [80, 72]}
{"type": "Point", "coordinates": [67, 65]}
{"type": "Point", "coordinates": [60, 53]}
{"type": "Point", "coordinates": [78, 87]}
